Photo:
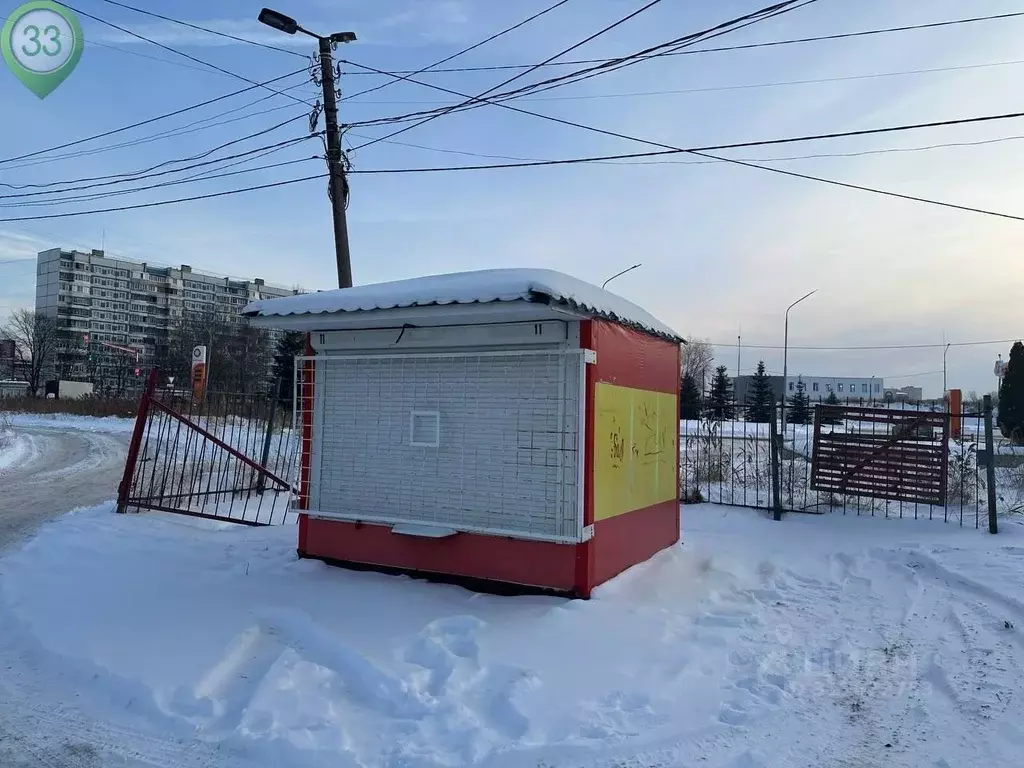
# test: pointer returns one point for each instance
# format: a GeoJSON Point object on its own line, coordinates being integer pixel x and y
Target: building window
{"type": "Point", "coordinates": [840, 386]}
{"type": "Point", "coordinates": [877, 386]}
{"type": "Point", "coordinates": [791, 386]}
{"type": "Point", "coordinates": [814, 386]}
{"type": "Point", "coordinates": [864, 387]}
{"type": "Point", "coordinates": [425, 429]}
{"type": "Point", "coordinates": [853, 388]}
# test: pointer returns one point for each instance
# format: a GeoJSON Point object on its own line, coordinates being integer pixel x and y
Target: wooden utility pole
{"type": "Point", "coordinates": [337, 181]}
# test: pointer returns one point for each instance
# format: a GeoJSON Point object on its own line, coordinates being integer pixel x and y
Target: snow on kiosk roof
{"type": "Point", "coordinates": [542, 286]}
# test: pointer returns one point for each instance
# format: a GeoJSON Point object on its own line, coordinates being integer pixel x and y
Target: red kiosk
{"type": "Point", "coordinates": [518, 427]}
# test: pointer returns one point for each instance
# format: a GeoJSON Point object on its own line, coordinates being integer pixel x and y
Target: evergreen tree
{"type": "Point", "coordinates": [720, 404]}
{"type": "Point", "coordinates": [1011, 396]}
{"type": "Point", "coordinates": [289, 346]}
{"type": "Point", "coordinates": [760, 397]}
{"type": "Point", "coordinates": [829, 415]}
{"type": "Point", "coordinates": [689, 398]}
{"type": "Point", "coordinates": [799, 406]}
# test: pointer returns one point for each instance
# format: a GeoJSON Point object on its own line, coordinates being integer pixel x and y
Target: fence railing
{"type": "Point", "coordinates": [726, 458]}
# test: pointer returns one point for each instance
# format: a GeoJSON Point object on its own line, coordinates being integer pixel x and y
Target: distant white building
{"type": "Point", "coordinates": [842, 387]}
{"type": "Point", "coordinates": [817, 387]}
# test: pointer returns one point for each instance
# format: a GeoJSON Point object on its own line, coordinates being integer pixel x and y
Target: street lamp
{"type": "Point", "coordinates": [785, 359]}
{"type": "Point", "coordinates": [335, 167]}
{"type": "Point", "coordinates": [620, 274]}
{"type": "Point", "coordinates": [944, 353]}
{"type": "Point", "coordinates": [288, 25]}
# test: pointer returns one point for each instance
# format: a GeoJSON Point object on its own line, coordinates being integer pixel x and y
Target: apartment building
{"type": "Point", "coordinates": [106, 307]}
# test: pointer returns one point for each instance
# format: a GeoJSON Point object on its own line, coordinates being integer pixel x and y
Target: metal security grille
{"type": "Point", "coordinates": [483, 442]}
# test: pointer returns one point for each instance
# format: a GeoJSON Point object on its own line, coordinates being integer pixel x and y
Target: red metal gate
{"type": "Point", "coordinates": [229, 456]}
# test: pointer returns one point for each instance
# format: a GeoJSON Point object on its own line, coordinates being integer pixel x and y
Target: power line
{"type": "Point", "coordinates": [756, 16]}
{"type": "Point", "coordinates": [121, 178]}
{"type": "Point", "coordinates": [528, 163]}
{"type": "Point", "coordinates": [464, 51]}
{"type": "Point", "coordinates": [182, 53]}
{"type": "Point", "coordinates": [139, 54]}
{"type": "Point", "coordinates": [744, 163]}
{"type": "Point", "coordinates": [875, 347]}
{"type": "Point", "coordinates": [158, 203]}
{"type": "Point", "coordinates": [631, 60]}
{"type": "Point", "coordinates": [139, 124]}
{"type": "Point", "coordinates": [146, 175]}
{"type": "Point", "coordinates": [206, 29]}
{"type": "Point", "coordinates": [765, 44]}
{"type": "Point", "coordinates": [189, 128]}
{"type": "Point", "coordinates": [712, 89]}
{"type": "Point", "coordinates": [203, 176]}
{"type": "Point", "coordinates": [623, 159]}
{"type": "Point", "coordinates": [647, 6]}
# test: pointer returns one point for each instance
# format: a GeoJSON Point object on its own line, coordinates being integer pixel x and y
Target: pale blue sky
{"type": "Point", "coordinates": [723, 247]}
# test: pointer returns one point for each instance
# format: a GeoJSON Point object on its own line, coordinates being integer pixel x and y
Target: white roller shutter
{"type": "Point", "coordinates": [487, 442]}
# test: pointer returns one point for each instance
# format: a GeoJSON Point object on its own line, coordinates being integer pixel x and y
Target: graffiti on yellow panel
{"type": "Point", "coordinates": [634, 449]}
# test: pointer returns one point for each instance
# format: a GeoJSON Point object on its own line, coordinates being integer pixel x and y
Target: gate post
{"type": "Point", "coordinates": [132, 459]}
{"type": "Point", "coordinates": [990, 467]}
{"type": "Point", "coordinates": [775, 450]}
{"type": "Point", "coordinates": [265, 458]}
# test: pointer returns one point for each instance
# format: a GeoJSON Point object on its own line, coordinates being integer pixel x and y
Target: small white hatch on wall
{"type": "Point", "coordinates": [425, 429]}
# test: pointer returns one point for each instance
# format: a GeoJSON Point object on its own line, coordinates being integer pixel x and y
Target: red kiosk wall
{"type": "Point", "coordinates": [625, 358]}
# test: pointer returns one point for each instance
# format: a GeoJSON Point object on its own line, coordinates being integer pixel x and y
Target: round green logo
{"type": "Point", "coordinates": [42, 43]}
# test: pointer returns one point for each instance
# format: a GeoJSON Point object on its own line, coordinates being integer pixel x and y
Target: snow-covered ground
{"type": "Point", "coordinates": [112, 425]}
{"type": "Point", "coordinates": [818, 641]}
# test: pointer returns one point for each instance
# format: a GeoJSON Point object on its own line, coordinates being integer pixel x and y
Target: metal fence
{"type": "Point", "coordinates": [727, 458]}
{"type": "Point", "coordinates": [227, 456]}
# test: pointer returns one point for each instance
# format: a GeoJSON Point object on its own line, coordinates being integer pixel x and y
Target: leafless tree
{"type": "Point", "coordinates": [238, 354]}
{"type": "Point", "coordinates": [698, 359]}
{"type": "Point", "coordinates": [36, 340]}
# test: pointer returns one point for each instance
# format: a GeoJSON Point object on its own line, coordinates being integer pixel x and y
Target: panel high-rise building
{"type": "Point", "coordinates": [102, 302]}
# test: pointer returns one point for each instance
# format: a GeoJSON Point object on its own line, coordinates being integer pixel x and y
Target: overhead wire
{"type": "Point", "coordinates": [872, 347]}
{"type": "Point", "coordinates": [159, 203]}
{"type": "Point", "coordinates": [195, 126]}
{"type": "Point", "coordinates": [712, 89]}
{"type": "Point", "coordinates": [150, 175]}
{"type": "Point", "coordinates": [147, 121]}
{"type": "Point", "coordinates": [722, 49]}
{"type": "Point", "coordinates": [526, 162]}
{"type": "Point", "coordinates": [630, 60]}
{"type": "Point", "coordinates": [747, 164]}
{"type": "Point", "coordinates": [205, 176]}
{"type": "Point", "coordinates": [141, 55]}
{"type": "Point", "coordinates": [189, 56]}
{"type": "Point", "coordinates": [479, 97]}
{"type": "Point", "coordinates": [201, 28]}
{"type": "Point", "coordinates": [609, 66]}
{"type": "Point", "coordinates": [485, 41]}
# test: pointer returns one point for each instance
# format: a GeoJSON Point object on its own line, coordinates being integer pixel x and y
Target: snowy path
{"type": "Point", "coordinates": [826, 641]}
{"type": "Point", "coordinates": [47, 470]}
